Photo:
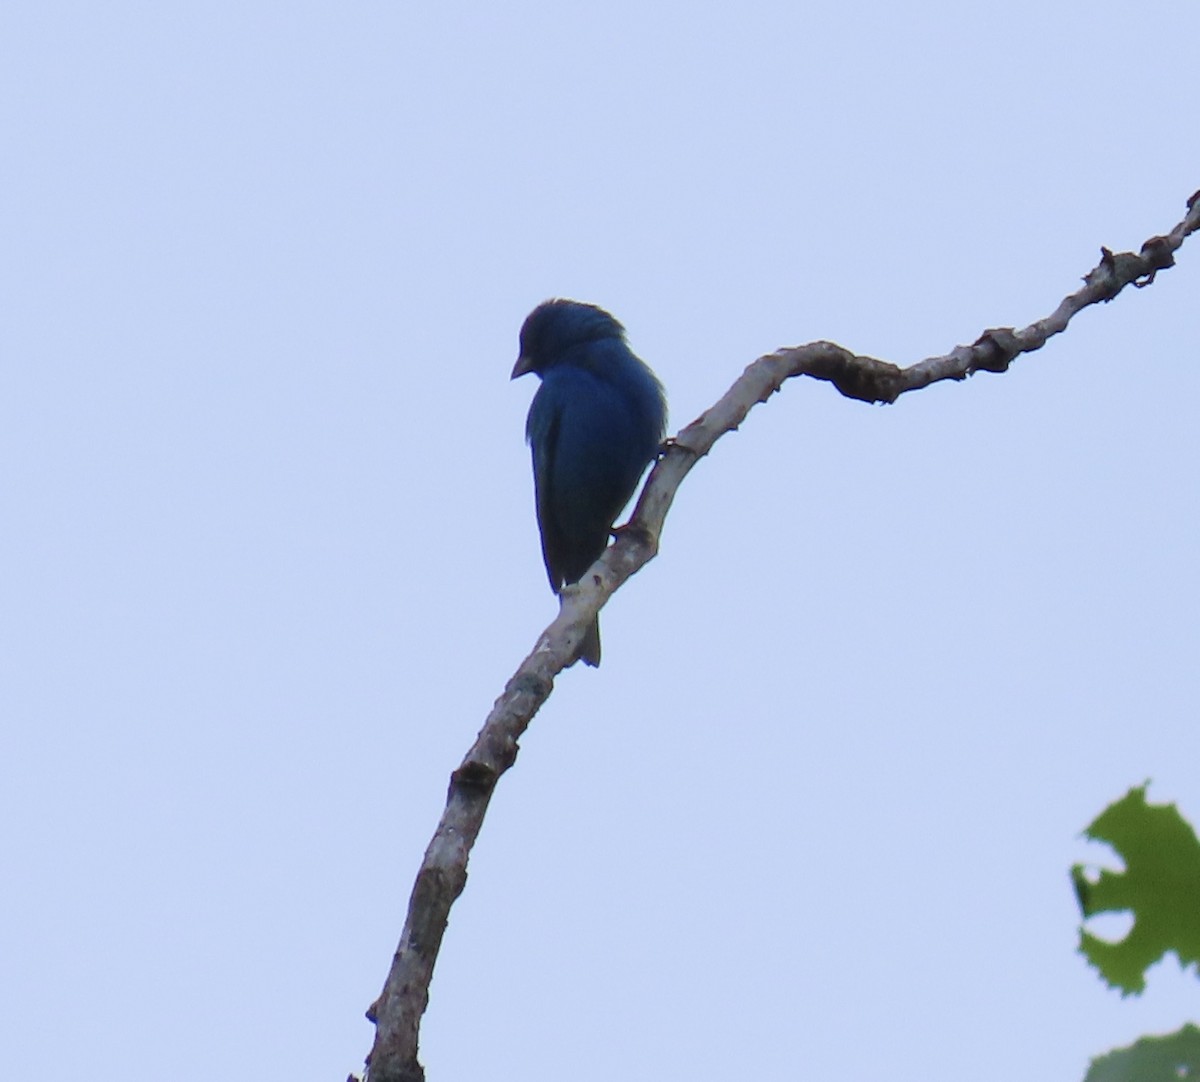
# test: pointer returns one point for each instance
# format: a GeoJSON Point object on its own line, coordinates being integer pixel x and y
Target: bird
{"type": "Point", "coordinates": [595, 423]}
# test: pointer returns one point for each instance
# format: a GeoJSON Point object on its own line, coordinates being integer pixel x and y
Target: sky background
{"type": "Point", "coordinates": [269, 546]}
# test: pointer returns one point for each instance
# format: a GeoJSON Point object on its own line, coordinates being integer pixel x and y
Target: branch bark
{"type": "Point", "coordinates": [443, 874]}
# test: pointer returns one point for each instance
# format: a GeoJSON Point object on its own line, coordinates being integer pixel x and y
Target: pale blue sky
{"type": "Point", "coordinates": [270, 551]}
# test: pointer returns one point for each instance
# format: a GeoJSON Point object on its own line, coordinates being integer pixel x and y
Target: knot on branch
{"type": "Point", "coordinates": [995, 350]}
{"type": "Point", "coordinates": [1159, 253]}
{"type": "Point", "coordinates": [863, 378]}
{"type": "Point", "coordinates": [1103, 277]}
{"type": "Point", "coordinates": [1117, 270]}
{"type": "Point", "coordinates": [475, 778]}
{"type": "Point", "coordinates": [874, 381]}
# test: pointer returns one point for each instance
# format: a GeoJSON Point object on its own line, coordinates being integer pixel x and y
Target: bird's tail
{"type": "Point", "coordinates": [589, 648]}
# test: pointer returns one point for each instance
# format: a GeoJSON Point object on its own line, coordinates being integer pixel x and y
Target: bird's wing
{"type": "Point", "coordinates": [580, 431]}
{"type": "Point", "coordinates": [542, 429]}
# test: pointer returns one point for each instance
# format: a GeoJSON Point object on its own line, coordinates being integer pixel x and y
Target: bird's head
{"type": "Point", "coordinates": [554, 328]}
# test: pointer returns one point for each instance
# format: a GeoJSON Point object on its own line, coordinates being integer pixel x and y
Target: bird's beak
{"type": "Point", "coordinates": [523, 365]}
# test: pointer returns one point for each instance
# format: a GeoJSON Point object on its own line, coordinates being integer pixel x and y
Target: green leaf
{"type": "Point", "coordinates": [1160, 886]}
{"type": "Point", "coordinates": [1152, 1059]}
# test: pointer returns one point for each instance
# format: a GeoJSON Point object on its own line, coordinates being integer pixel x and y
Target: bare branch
{"type": "Point", "coordinates": [443, 874]}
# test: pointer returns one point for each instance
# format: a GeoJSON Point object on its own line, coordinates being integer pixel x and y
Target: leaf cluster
{"type": "Point", "coordinates": [1160, 887]}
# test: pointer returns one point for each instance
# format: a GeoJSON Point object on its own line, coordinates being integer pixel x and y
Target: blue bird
{"type": "Point", "coordinates": [595, 423]}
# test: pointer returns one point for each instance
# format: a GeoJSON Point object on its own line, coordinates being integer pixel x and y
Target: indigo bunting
{"type": "Point", "coordinates": [596, 421]}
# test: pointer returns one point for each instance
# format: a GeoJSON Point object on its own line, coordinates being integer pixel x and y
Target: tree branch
{"type": "Point", "coordinates": [443, 873]}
